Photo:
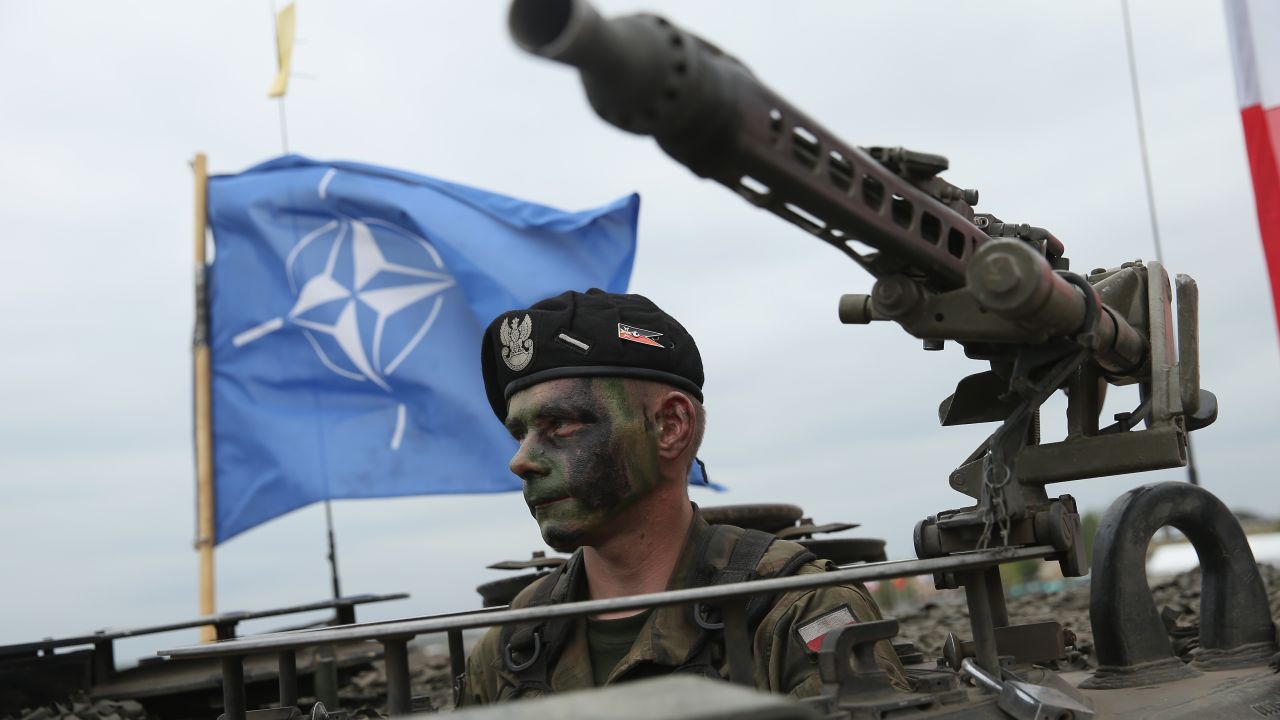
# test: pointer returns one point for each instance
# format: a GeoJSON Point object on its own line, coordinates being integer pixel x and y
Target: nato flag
{"type": "Point", "coordinates": [346, 306]}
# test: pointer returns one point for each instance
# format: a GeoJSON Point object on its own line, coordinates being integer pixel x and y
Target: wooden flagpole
{"type": "Point", "coordinates": [203, 405]}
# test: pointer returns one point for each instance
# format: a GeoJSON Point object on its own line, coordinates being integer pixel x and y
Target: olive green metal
{"type": "Point", "coordinates": [977, 594]}
{"type": "Point", "coordinates": [1012, 279]}
{"type": "Point", "coordinates": [857, 310]}
{"type": "Point", "coordinates": [1188, 342]}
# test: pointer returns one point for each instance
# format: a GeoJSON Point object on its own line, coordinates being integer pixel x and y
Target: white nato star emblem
{"type": "Point", "coordinates": [349, 293]}
{"type": "Point", "coordinates": [383, 286]}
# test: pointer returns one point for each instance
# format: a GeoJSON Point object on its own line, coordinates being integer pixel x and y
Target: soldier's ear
{"type": "Point", "coordinates": [675, 426]}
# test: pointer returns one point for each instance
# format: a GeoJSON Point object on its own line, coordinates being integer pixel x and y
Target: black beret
{"type": "Point", "coordinates": [591, 334]}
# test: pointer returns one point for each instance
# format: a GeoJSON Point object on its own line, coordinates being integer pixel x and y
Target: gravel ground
{"type": "Point", "coordinates": [80, 708]}
{"type": "Point", "coordinates": [928, 626]}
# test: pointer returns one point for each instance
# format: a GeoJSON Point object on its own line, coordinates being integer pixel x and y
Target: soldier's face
{"type": "Point", "coordinates": [587, 452]}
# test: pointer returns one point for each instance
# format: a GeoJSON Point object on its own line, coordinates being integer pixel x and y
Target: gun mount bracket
{"type": "Point", "coordinates": [848, 668]}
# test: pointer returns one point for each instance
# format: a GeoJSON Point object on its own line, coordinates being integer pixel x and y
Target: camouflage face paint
{"type": "Point", "coordinates": [587, 453]}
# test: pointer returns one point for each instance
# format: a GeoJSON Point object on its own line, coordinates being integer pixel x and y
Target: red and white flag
{"type": "Point", "coordinates": [1254, 30]}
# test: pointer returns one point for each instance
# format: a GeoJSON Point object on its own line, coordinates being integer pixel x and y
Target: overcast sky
{"type": "Point", "coordinates": [102, 105]}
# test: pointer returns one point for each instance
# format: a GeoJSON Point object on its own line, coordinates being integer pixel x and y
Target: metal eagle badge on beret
{"type": "Point", "coordinates": [636, 335]}
{"type": "Point", "coordinates": [517, 342]}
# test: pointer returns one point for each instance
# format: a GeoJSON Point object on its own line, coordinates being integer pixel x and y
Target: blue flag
{"type": "Point", "coordinates": [347, 304]}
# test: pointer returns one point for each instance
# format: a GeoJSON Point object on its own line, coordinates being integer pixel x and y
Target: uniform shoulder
{"type": "Point", "coordinates": [489, 645]}
{"type": "Point", "coordinates": [781, 554]}
{"type": "Point", "coordinates": [723, 541]}
{"type": "Point", "coordinates": [480, 683]}
{"type": "Point", "coordinates": [485, 664]}
{"type": "Point", "coordinates": [784, 557]}
{"type": "Point", "coordinates": [525, 596]}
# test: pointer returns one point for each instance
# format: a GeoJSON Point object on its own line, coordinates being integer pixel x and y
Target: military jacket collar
{"type": "Point", "coordinates": [665, 642]}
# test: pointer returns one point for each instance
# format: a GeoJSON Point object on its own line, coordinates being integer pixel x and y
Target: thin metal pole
{"type": "Point", "coordinates": [288, 676]}
{"type": "Point", "coordinates": [980, 620]}
{"type": "Point", "coordinates": [284, 147]}
{"type": "Point", "coordinates": [326, 675]}
{"type": "Point", "coordinates": [284, 123]}
{"type": "Point", "coordinates": [396, 657]}
{"type": "Point", "coordinates": [233, 696]}
{"type": "Point", "coordinates": [333, 550]}
{"type": "Point", "coordinates": [1192, 476]}
{"type": "Point", "coordinates": [284, 127]}
{"type": "Point", "coordinates": [203, 402]}
{"type": "Point", "coordinates": [104, 660]}
{"type": "Point", "coordinates": [1142, 134]}
{"type": "Point", "coordinates": [457, 654]}
{"type": "Point", "coordinates": [995, 597]}
{"type": "Point", "coordinates": [980, 559]}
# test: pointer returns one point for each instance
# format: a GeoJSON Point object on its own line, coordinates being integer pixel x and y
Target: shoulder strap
{"type": "Point", "coordinates": [760, 605]}
{"type": "Point", "coordinates": [749, 548]}
{"type": "Point", "coordinates": [746, 555]}
{"type": "Point", "coordinates": [743, 564]}
{"type": "Point", "coordinates": [744, 561]}
{"type": "Point", "coordinates": [529, 651]}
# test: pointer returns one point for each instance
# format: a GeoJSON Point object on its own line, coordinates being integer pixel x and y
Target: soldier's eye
{"type": "Point", "coordinates": [563, 428]}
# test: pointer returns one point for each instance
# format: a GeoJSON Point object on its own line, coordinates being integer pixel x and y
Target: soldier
{"type": "Point", "coordinates": [604, 394]}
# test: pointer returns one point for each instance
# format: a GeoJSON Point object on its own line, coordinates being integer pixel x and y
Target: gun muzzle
{"type": "Point", "coordinates": [570, 31]}
{"type": "Point", "coordinates": [642, 74]}
{"type": "Point", "coordinates": [634, 68]}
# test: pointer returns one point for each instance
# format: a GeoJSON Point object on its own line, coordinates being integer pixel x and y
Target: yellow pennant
{"type": "Point", "coordinates": [284, 50]}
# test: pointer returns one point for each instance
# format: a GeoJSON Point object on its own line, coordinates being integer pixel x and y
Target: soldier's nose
{"type": "Point", "coordinates": [524, 464]}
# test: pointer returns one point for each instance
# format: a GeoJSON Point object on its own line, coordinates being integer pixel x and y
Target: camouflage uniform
{"type": "Point", "coordinates": [781, 661]}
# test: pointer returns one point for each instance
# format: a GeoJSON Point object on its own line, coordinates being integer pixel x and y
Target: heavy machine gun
{"type": "Point", "coordinates": [943, 272]}
{"type": "Point", "coordinates": [1003, 291]}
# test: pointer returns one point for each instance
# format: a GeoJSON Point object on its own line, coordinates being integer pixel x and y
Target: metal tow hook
{"type": "Point", "coordinates": [1025, 701]}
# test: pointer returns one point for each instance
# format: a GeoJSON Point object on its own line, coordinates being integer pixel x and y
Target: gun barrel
{"type": "Point", "coordinates": [706, 110]}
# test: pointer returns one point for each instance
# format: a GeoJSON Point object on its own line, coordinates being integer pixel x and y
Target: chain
{"type": "Point", "coordinates": [995, 512]}
{"type": "Point", "coordinates": [997, 471]}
